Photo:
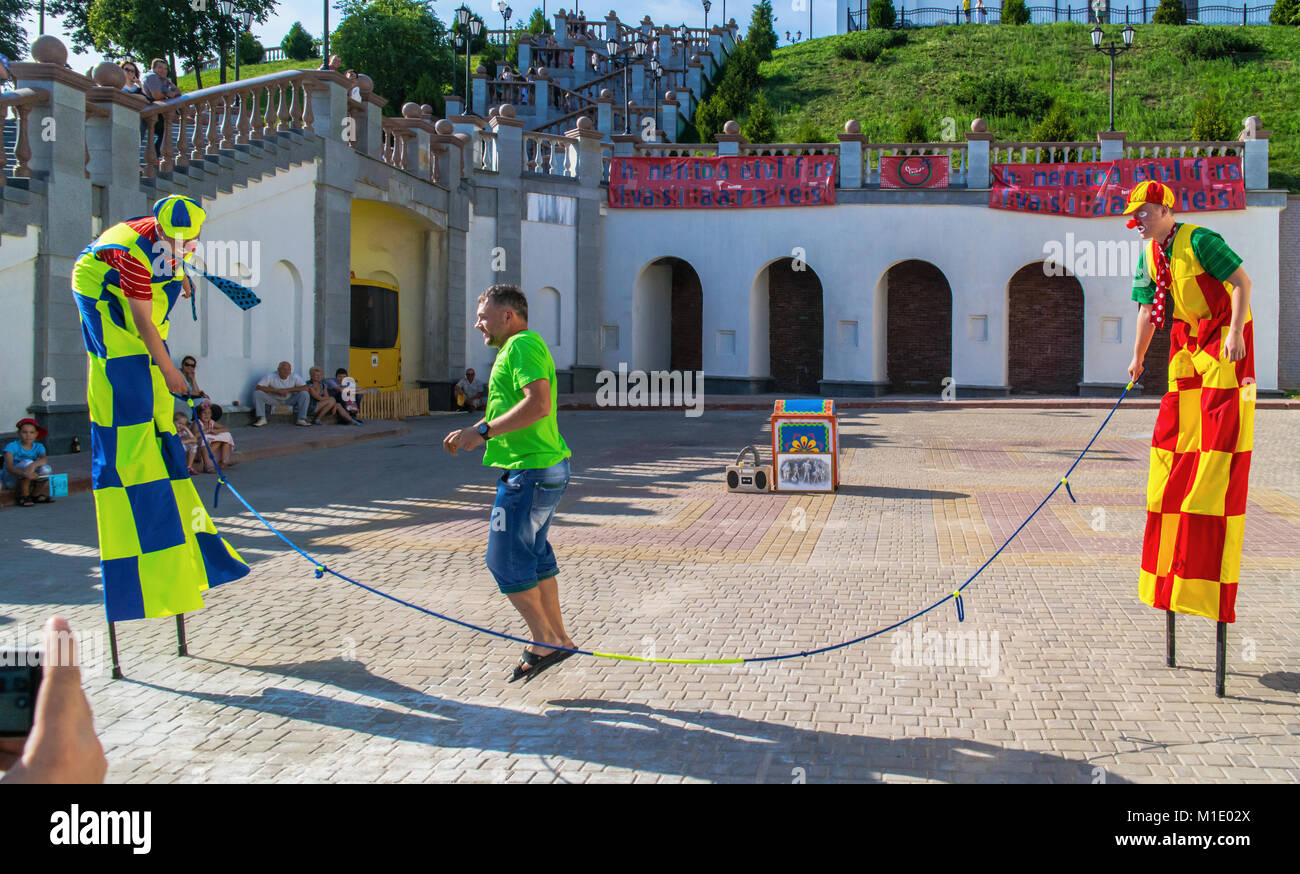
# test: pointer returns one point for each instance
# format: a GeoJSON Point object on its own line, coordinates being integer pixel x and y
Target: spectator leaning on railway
{"type": "Point", "coordinates": [158, 89]}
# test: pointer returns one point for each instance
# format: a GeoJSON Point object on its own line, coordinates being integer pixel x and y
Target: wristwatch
{"type": "Point", "coordinates": [482, 430]}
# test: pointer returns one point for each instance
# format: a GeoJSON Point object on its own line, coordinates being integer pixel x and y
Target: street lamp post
{"type": "Point", "coordinates": [707, 6]}
{"type": "Point", "coordinates": [1111, 49]}
{"type": "Point", "coordinates": [325, 36]}
{"type": "Point", "coordinates": [229, 10]}
{"type": "Point", "coordinates": [612, 50]}
{"type": "Point", "coordinates": [656, 74]}
{"type": "Point", "coordinates": [506, 12]}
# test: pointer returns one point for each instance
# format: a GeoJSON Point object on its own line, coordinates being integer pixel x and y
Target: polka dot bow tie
{"type": "Point", "coordinates": [1164, 279]}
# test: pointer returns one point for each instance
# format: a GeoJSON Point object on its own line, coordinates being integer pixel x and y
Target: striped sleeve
{"type": "Point", "coordinates": [1215, 255]}
{"type": "Point", "coordinates": [134, 276]}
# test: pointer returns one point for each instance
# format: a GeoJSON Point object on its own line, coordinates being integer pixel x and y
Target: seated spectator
{"type": "Point", "coordinates": [354, 85]}
{"type": "Point", "coordinates": [284, 387]}
{"type": "Point", "coordinates": [25, 470]}
{"type": "Point", "coordinates": [190, 440]}
{"type": "Point", "coordinates": [189, 367]}
{"type": "Point", "coordinates": [220, 441]}
{"type": "Point", "coordinates": [470, 393]}
{"type": "Point", "coordinates": [62, 746]}
{"type": "Point", "coordinates": [322, 404]}
{"type": "Point", "coordinates": [337, 388]}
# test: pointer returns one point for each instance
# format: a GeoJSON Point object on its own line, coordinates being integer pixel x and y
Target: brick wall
{"type": "Point", "coordinates": [919, 327]}
{"type": "Point", "coordinates": [1288, 339]}
{"type": "Point", "coordinates": [688, 318]}
{"type": "Point", "coordinates": [794, 301]}
{"type": "Point", "coordinates": [1045, 340]}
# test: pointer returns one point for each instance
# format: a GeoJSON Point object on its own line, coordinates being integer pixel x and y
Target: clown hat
{"type": "Point", "coordinates": [1149, 192]}
{"type": "Point", "coordinates": [179, 218]}
{"type": "Point", "coordinates": [41, 433]}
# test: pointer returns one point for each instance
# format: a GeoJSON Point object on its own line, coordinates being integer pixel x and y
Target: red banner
{"type": "Point", "coordinates": [1101, 188]}
{"type": "Point", "coordinates": [729, 182]}
{"type": "Point", "coordinates": [914, 171]}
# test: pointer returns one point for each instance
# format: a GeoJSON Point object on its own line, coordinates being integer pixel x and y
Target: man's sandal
{"type": "Point", "coordinates": [532, 664]}
{"type": "Point", "coordinates": [44, 499]}
{"type": "Point", "coordinates": [25, 501]}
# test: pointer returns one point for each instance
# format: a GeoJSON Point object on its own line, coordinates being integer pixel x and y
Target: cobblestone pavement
{"type": "Point", "coordinates": [1057, 673]}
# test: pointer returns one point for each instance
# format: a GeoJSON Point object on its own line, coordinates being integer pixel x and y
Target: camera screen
{"type": "Point", "coordinates": [17, 699]}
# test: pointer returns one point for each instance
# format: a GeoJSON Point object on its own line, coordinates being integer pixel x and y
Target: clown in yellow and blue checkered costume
{"type": "Point", "coordinates": [159, 549]}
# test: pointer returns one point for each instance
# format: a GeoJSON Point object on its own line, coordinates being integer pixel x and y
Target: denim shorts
{"type": "Point", "coordinates": [518, 554]}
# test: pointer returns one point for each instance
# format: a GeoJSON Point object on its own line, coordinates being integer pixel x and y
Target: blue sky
{"type": "Point", "coordinates": [310, 13]}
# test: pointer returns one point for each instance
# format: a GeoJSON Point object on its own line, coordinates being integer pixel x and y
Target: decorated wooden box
{"type": "Point", "coordinates": [805, 446]}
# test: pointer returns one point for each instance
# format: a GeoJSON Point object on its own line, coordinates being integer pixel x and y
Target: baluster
{"type": "Point", "coordinates": [202, 116]}
{"type": "Point", "coordinates": [169, 148]}
{"type": "Point", "coordinates": [283, 124]}
{"type": "Point", "coordinates": [247, 101]}
{"type": "Point", "coordinates": [150, 153]}
{"type": "Point", "coordinates": [295, 107]}
{"type": "Point", "coordinates": [308, 117]}
{"type": "Point", "coordinates": [214, 128]}
{"type": "Point", "coordinates": [183, 139]}
{"type": "Point", "coordinates": [227, 122]}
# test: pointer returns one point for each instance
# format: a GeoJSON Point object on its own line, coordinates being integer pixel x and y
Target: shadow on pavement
{"type": "Point", "coordinates": [694, 744]}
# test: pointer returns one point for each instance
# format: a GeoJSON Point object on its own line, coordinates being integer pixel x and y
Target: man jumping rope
{"type": "Point", "coordinates": [522, 435]}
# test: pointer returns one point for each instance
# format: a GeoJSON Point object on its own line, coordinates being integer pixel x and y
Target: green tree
{"type": "Point", "coordinates": [1285, 12]}
{"type": "Point", "coordinates": [1057, 127]}
{"type": "Point", "coordinates": [808, 132]}
{"type": "Point", "coordinates": [146, 29]}
{"type": "Point", "coordinates": [538, 23]}
{"type": "Point", "coordinates": [762, 36]}
{"type": "Point", "coordinates": [13, 38]}
{"type": "Point", "coordinates": [882, 14]}
{"type": "Point", "coordinates": [710, 116]}
{"type": "Point", "coordinates": [75, 17]}
{"type": "Point", "coordinates": [1211, 121]}
{"type": "Point", "coordinates": [297, 43]}
{"type": "Point", "coordinates": [250, 50]}
{"type": "Point", "coordinates": [1170, 12]}
{"type": "Point", "coordinates": [396, 42]}
{"type": "Point", "coordinates": [759, 127]}
{"type": "Point", "coordinates": [913, 129]}
{"type": "Point", "coordinates": [1015, 12]}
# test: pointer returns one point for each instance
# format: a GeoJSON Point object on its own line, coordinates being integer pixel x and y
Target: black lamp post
{"type": "Point", "coordinates": [624, 60]}
{"type": "Point", "coordinates": [1112, 49]}
{"type": "Point", "coordinates": [229, 10]}
{"type": "Point", "coordinates": [656, 75]}
{"type": "Point", "coordinates": [506, 12]}
{"type": "Point", "coordinates": [470, 28]}
{"type": "Point", "coordinates": [707, 6]}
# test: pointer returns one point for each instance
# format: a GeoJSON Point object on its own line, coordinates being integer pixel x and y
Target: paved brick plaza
{"type": "Point", "coordinates": [297, 679]}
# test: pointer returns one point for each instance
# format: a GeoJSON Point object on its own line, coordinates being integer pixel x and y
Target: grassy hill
{"type": "Point", "coordinates": [1155, 91]}
{"type": "Point", "coordinates": [188, 82]}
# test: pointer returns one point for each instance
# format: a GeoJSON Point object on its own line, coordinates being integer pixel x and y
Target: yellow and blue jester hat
{"type": "Point", "coordinates": [179, 218]}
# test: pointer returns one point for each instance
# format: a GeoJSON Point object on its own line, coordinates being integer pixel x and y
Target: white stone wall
{"type": "Point", "coordinates": [234, 348]}
{"type": "Point", "coordinates": [17, 352]}
{"type": "Point", "coordinates": [851, 246]}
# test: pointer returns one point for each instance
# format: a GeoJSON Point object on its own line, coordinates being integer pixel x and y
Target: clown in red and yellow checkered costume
{"type": "Point", "coordinates": [1200, 451]}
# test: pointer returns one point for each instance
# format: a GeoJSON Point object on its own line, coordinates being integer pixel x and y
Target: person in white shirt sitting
{"type": "Point", "coordinates": [282, 387]}
{"type": "Point", "coordinates": [470, 393]}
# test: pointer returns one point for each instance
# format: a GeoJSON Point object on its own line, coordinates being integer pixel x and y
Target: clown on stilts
{"type": "Point", "coordinates": [159, 550]}
{"type": "Point", "coordinates": [1200, 450]}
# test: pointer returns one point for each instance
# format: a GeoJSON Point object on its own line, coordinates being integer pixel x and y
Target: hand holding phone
{"type": "Point", "coordinates": [20, 680]}
{"type": "Point", "coordinates": [62, 746]}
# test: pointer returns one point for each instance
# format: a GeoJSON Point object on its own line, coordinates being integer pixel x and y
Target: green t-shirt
{"type": "Point", "coordinates": [523, 359]}
{"type": "Point", "coordinates": [1216, 257]}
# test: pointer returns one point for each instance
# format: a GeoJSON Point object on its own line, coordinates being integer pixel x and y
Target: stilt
{"type": "Point", "coordinates": [181, 648]}
{"type": "Point", "coordinates": [1221, 659]}
{"type": "Point", "coordinates": [1169, 638]}
{"type": "Point", "coordinates": [112, 648]}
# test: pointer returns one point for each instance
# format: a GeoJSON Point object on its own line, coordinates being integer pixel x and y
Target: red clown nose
{"type": "Point", "coordinates": [1132, 223]}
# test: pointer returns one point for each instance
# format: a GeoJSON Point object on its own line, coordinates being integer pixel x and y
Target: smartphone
{"type": "Point", "coordinates": [20, 680]}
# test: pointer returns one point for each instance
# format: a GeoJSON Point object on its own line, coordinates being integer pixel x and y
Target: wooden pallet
{"type": "Point", "coordinates": [395, 404]}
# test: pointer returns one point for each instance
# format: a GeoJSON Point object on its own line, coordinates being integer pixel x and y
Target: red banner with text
{"type": "Point", "coordinates": [729, 182]}
{"type": "Point", "coordinates": [914, 171]}
{"type": "Point", "coordinates": [1101, 188]}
